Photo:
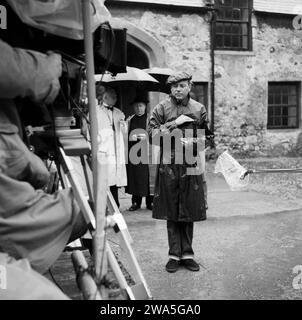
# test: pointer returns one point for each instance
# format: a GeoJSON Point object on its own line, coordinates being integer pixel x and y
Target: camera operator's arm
{"type": "Point", "coordinates": [30, 74]}
{"type": "Point", "coordinates": [25, 73]}
{"type": "Point", "coordinates": [17, 162]}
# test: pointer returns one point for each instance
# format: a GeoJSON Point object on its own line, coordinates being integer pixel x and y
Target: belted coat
{"type": "Point", "coordinates": [179, 194]}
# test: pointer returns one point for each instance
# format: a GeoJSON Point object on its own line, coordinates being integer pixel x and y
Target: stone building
{"type": "Point", "coordinates": [245, 57]}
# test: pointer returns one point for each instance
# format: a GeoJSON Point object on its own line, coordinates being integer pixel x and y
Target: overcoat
{"type": "Point", "coordinates": [112, 129]}
{"type": "Point", "coordinates": [178, 196]}
{"type": "Point", "coordinates": [140, 179]}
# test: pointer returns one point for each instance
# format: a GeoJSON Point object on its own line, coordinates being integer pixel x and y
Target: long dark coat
{"type": "Point", "coordinates": [177, 196]}
{"type": "Point", "coordinates": [138, 175]}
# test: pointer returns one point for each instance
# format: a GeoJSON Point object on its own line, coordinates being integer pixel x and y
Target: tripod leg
{"type": "Point", "coordinates": [87, 179]}
{"type": "Point", "coordinates": [141, 289]}
{"type": "Point", "coordinates": [118, 273]}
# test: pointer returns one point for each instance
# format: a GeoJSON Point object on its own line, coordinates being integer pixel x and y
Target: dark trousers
{"type": "Point", "coordinates": [114, 192]}
{"type": "Point", "coordinates": [138, 200]}
{"type": "Point", "coordinates": [180, 238]}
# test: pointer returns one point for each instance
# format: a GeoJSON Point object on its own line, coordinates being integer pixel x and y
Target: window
{"type": "Point", "coordinates": [199, 93]}
{"type": "Point", "coordinates": [233, 25]}
{"type": "Point", "coordinates": [283, 105]}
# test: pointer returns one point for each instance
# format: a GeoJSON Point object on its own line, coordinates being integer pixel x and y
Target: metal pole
{"type": "Point", "coordinates": [297, 170]}
{"type": "Point", "coordinates": [212, 44]}
{"type": "Point", "coordinates": [210, 7]}
{"type": "Point", "coordinates": [260, 171]}
{"type": "Point", "coordinates": [98, 184]}
{"type": "Point", "coordinates": [89, 59]}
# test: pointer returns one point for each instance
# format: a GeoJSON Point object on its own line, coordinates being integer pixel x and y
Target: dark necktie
{"type": "Point", "coordinates": [110, 115]}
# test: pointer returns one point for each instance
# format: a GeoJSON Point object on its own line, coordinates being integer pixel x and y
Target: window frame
{"type": "Point", "coordinates": [297, 85]}
{"type": "Point", "coordinates": [234, 22]}
{"type": "Point", "coordinates": [205, 87]}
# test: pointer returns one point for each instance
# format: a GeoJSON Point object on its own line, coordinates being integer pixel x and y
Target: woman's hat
{"type": "Point", "coordinates": [140, 99]}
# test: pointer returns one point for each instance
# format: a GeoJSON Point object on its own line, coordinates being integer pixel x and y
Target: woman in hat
{"type": "Point", "coordinates": [138, 174]}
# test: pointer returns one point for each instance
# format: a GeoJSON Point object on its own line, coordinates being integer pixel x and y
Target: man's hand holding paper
{"type": "Point", "coordinates": [183, 119]}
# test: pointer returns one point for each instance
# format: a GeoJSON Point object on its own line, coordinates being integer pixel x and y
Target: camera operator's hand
{"type": "Point", "coordinates": [49, 86]}
{"type": "Point", "coordinates": [26, 73]}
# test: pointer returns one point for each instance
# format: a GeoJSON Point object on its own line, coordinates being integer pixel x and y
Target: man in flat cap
{"type": "Point", "coordinates": [179, 194]}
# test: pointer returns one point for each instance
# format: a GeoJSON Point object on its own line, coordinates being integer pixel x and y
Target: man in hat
{"type": "Point", "coordinates": [179, 194]}
{"type": "Point", "coordinates": [112, 128]}
{"type": "Point", "coordinates": [138, 173]}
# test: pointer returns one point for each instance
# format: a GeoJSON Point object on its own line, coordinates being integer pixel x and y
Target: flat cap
{"type": "Point", "coordinates": [178, 76]}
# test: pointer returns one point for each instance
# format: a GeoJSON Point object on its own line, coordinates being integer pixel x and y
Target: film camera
{"type": "Point", "coordinates": [68, 110]}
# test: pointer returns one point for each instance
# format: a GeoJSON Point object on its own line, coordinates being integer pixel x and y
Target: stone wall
{"type": "Point", "coordinates": [241, 79]}
{"type": "Point", "coordinates": [183, 35]}
{"type": "Point", "coordinates": [242, 84]}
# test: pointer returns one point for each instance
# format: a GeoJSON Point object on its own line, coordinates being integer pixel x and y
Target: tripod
{"type": "Point", "coordinates": [100, 210]}
{"type": "Point", "coordinates": [74, 145]}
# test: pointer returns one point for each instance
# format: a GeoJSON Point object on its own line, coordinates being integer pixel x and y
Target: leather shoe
{"type": "Point", "coordinates": [190, 264]}
{"type": "Point", "coordinates": [134, 207]}
{"type": "Point", "coordinates": [172, 265]}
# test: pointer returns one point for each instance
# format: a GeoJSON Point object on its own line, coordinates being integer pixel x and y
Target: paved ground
{"type": "Point", "coordinates": [241, 258]}
{"type": "Point", "coordinates": [247, 248]}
